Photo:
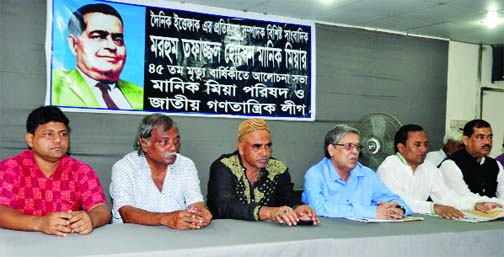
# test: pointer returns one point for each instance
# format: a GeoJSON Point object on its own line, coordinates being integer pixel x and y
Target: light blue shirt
{"type": "Point", "coordinates": [330, 196]}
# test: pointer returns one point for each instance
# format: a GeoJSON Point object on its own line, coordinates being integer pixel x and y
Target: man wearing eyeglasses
{"type": "Point", "coordinates": [407, 174]}
{"type": "Point", "coordinates": [471, 170]}
{"type": "Point", "coordinates": [339, 186]}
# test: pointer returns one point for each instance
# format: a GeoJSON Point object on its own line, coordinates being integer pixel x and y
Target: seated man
{"type": "Point", "coordinates": [408, 174]}
{"type": "Point", "coordinates": [250, 185]}
{"type": "Point", "coordinates": [339, 186]}
{"type": "Point", "coordinates": [155, 185]}
{"type": "Point", "coordinates": [471, 170]}
{"type": "Point", "coordinates": [43, 189]}
{"type": "Point", "coordinates": [452, 142]}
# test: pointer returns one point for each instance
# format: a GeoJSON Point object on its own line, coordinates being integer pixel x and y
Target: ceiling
{"type": "Point", "coordinates": [459, 20]}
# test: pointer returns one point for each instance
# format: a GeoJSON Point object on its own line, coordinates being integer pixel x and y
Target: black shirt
{"type": "Point", "coordinates": [231, 196]}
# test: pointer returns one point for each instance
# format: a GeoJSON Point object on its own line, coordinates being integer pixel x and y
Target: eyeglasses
{"type": "Point", "coordinates": [350, 146]}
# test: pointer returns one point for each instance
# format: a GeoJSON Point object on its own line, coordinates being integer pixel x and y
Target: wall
{"type": "Point", "coordinates": [358, 72]}
{"type": "Point", "coordinates": [493, 102]}
{"type": "Point", "coordinates": [462, 83]}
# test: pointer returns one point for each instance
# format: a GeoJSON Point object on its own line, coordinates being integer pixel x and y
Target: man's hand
{"type": "Point", "coordinates": [486, 207]}
{"type": "Point", "coordinates": [389, 211]}
{"type": "Point", "coordinates": [279, 214]}
{"type": "Point", "coordinates": [205, 216]}
{"type": "Point", "coordinates": [55, 223]}
{"type": "Point", "coordinates": [185, 219]}
{"type": "Point", "coordinates": [80, 222]}
{"type": "Point", "coordinates": [304, 212]}
{"type": "Point", "coordinates": [447, 212]}
{"type": "Point", "coordinates": [284, 214]}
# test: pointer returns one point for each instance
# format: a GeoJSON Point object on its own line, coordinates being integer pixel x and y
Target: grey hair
{"type": "Point", "coordinates": [334, 135]}
{"type": "Point", "coordinates": [148, 124]}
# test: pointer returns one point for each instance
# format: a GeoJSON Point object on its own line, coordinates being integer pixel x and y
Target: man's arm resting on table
{"type": "Point", "coordinates": [447, 212]}
{"type": "Point", "coordinates": [453, 177]}
{"type": "Point", "coordinates": [486, 207]}
{"type": "Point", "coordinates": [201, 209]}
{"type": "Point", "coordinates": [287, 214]}
{"type": "Point", "coordinates": [390, 211]}
{"type": "Point", "coordinates": [182, 219]}
{"type": "Point", "coordinates": [83, 222]}
{"type": "Point", "coordinates": [279, 214]}
{"type": "Point", "coordinates": [272, 213]}
{"type": "Point", "coordinates": [55, 223]}
{"type": "Point", "coordinates": [100, 215]}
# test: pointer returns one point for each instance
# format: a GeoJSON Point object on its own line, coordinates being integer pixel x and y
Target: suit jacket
{"type": "Point", "coordinates": [70, 89]}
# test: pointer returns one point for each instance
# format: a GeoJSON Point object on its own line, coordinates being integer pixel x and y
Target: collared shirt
{"type": "Point", "coordinates": [132, 185]}
{"type": "Point", "coordinates": [500, 159]}
{"type": "Point", "coordinates": [416, 187]}
{"type": "Point", "coordinates": [331, 196]}
{"type": "Point", "coordinates": [115, 93]}
{"type": "Point", "coordinates": [231, 196]}
{"type": "Point", "coordinates": [454, 179]}
{"type": "Point", "coordinates": [72, 186]}
{"type": "Point", "coordinates": [436, 157]}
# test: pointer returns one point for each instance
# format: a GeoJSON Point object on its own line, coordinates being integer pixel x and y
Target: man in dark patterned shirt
{"type": "Point", "coordinates": [250, 185]}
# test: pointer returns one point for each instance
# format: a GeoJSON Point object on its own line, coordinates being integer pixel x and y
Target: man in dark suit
{"type": "Point", "coordinates": [96, 39]}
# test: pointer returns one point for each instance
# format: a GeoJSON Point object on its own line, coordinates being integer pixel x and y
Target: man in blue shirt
{"type": "Point", "coordinates": [339, 186]}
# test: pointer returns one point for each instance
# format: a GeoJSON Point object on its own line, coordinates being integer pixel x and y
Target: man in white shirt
{"type": "Point", "coordinates": [407, 174]}
{"type": "Point", "coordinates": [155, 185]}
{"type": "Point", "coordinates": [452, 142]}
{"type": "Point", "coordinates": [471, 170]}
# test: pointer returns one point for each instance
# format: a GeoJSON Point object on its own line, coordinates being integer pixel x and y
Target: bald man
{"type": "Point", "coordinates": [250, 185]}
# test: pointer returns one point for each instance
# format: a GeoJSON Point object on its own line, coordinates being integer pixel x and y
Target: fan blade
{"type": "Point", "coordinates": [378, 124]}
{"type": "Point", "coordinates": [378, 129]}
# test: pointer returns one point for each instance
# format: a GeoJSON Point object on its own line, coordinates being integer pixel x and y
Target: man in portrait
{"type": "Point", "coordinates": [95, 37]}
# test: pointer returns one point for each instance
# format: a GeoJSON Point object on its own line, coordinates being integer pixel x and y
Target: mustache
{"type": "Point", "coordinates": [170, 154]}
{"type": "Point", "coordinates": [487, 146]}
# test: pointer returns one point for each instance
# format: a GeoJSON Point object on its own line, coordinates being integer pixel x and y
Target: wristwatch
{"type": "Point", "coordinates": [402, 208]}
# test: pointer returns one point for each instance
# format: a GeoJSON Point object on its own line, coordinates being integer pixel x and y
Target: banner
{"type": "Point", "coordinates": [181, 59]}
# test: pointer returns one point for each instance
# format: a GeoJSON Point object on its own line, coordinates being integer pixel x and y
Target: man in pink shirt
{"type": "Point", "coordinates": [43, 189]}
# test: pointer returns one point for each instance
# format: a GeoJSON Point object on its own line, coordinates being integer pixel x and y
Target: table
{"type": "Point", "coordinates": [333, 237]}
